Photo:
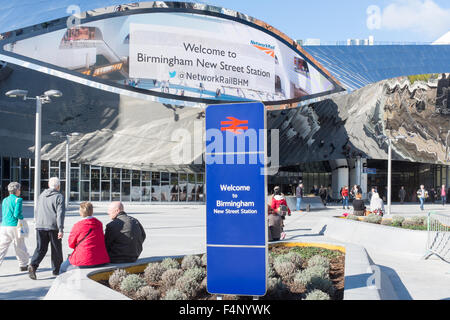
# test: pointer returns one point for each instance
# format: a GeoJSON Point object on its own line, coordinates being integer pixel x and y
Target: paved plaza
{"type": "Point", "coordinates": [181, 229]}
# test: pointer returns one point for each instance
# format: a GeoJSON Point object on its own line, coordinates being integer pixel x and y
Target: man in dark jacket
{"type": "Point", "coordinates": [299, 195]}
{"type": "Point", "coordinates": [124, 235]}
{"type": "Point", "coordinates": [50, 215]}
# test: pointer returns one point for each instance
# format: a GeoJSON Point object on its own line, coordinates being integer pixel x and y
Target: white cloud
{"type": "Point", "coordinates": [419, 16]}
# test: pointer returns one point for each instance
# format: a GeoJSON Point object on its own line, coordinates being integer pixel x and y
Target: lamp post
{"type": "Point", "coordinates": [389, 188]}
{"type": "Point", "coordinates": [67, 137]}
{"type": "Point", "coordinates": [40, 100]}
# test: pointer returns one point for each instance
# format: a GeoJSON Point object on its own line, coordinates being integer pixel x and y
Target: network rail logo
{"type": "Point", "coordinates": [264, 47]}
{"type": "Point", "coordinates": [234, 125]}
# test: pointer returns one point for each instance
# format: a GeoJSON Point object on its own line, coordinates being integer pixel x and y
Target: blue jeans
{"type": "Point", "coordinates": [299, 202]}
{"type": "Point", "coordinates": [66, 266]}
{"type": "Point", "coordinates": [444, 200]}
{"type": "Point", "coordinates": [345, 202]}
{"type": "Point", "coordinates": [422, 201]}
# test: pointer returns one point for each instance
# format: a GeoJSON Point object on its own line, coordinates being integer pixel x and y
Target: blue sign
{"type": "Point", "coordinates": [370, 170]}
{"type": "Point", "coordinates": [236, 208]}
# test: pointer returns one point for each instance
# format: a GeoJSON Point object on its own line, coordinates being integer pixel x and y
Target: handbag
{"type": "Point", "coordinates": [79, 242]}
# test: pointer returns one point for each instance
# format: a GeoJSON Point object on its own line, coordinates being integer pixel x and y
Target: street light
{"type": "Point", "coordinates": [40, 100]}
{"type": "Point", "coordinates": [67, 137]}
{"type": "Point", "coordinates": [389, 189]}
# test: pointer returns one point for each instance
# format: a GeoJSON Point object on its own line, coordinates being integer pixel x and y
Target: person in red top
{"type": "Point", "coordinates": [279, 200]}
{"type": "Point", "coordinates": [87, 241]}
{"type": "Point", "coordinates": [344, 194]}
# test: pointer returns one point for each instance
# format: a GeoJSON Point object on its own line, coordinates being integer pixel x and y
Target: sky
{"type": "Point", "coordinates": [339, 20]}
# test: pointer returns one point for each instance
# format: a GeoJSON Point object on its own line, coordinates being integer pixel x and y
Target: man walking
{"type": "Point", "coordinates": [402, 194]}
{"type": "Point", "coordinates": [124, 235]}
{"type": "Point", "coordinates": [50, 215]}
{"type": "Point", "coordinates": [422, 195]}
{"type": "Point", "coordinates": [443, 195]}
{"type": "Point", "coordinates": [299, 195]}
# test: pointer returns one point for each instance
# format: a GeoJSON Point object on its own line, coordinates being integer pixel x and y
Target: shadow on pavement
{"type": "Point", "coordinates": [25, 294]}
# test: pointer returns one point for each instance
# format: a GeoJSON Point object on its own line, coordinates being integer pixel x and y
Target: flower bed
{"type": "Point", "coordinates": [295, 273]}
{"type": "Point", "coordinates": [412, 223]}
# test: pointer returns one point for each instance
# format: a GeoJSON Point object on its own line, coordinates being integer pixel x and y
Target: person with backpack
{"type": "Point", "coordinates": [87, 241]}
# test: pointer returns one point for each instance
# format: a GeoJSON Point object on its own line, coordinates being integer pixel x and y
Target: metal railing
{"type": "Point", "coordinates": [438, 240]}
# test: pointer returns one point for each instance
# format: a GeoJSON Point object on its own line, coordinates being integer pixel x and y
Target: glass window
{"type": "Point", "coordinates": [156, 189]}
{"type": "Point", "coordinates": [62, 172]}
{"type": "Point", "coordinates": [25, 187]}
{"type": "Point", "coordinates": [15, 162]}
{"type": "Point", "coordinates": [165, 190]}
{"type": "Point", "coordinates": [146, 176]}
{"type": "Point", "coordinates": [74, 180]}
{"type": "Point", "coordinates": [125, 191]}
{"type": "Point", "coordinates": [54, 172]}
{"type": "Point", "coordinates": [95, 180]}
{"type": "Point", "coordinates": [54, 164]}
{"type": "Point", "coordinates": [136, 178]}
{"type": "Point", "coordinates": [191, 187]}
{"type": "Point", "coordinates": [84, 191]}
{"type": "Point", "coordinates": [85, 169]}
{"type": "Point", "coordinates": [106, 192]}
{"type": "Point", "coordinates": [146, 191]}
{"type": "Point", "coordinates": [126, 174]}
{"type": "Point", "coordinates": [165, 176]}
{"type": "Point", "coordinates": [106, 173]}
{"type": "Point", "coordinates": [44, 169]}
{"type": "Point", "coordinates": [183, 186]}
{"type": "Point", "coordinates": [15, 174]}
{"type": "Point", "coordinates": [199, 192]}
{"type": "Point", "coordinates": [6, 168]}
{"type": "Point", "coordinates": [174, 188]}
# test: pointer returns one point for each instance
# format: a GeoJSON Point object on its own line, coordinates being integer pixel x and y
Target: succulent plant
{"type": "Point", "coordinates": [204, 284]}
{"type": "Point", "coordinates": [286, 270]}
{"type": "Point", "coordinates": [317, 295]}
{"type": "Point", "coordinates": [170, 277]}
{"type": "Point", "coordinates": [386, 222]}
{"type": "Point", "coordinates": [153, 272]}
{"type": "Point", "coordinates": [191, 262]}
{"type": "Point", "coordinates": [195, 273]}
{"type": "Point", "coordinates": [319, 260]}
{"type": "Point", "coordinates": [397, 221]}
{"type": "Point", "coordinates": [131, 283]}
{"type": "Point", "coordinates": [204, 260]}
{"type": "Point", "coordinates": [352, 217]}
{"type": "Point", "coordinates": [275, 287]}
{"type": "Point", "coordinates": [188, 286]}
{"type": "Point", "coordinates": [116, 278]}
{"type": "Point", "coordinates": [305, 277]}
{"type": "Point", "coordinates": [373, 218]}
{"type": "Point", "coordinates": [147, 293]}
{"type": "Point", "coordinates": [169, 263]}
{"type": "Point", "coordinates": [174, 294]}
{"type": "Point", "coordinates": [295, 258]}
{"type": "Point", "coordinates": [319, 283]}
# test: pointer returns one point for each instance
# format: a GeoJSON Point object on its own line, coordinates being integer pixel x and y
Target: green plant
{"type": "Point", "coordinates": [131, 283]}
{"type": "Point", "coordinates": [373, 218]}
{"type": "Point", "coordinates": [153, 272]}
{"type": "Point", "coordinates": [191, 262]}
{"type": "Point", "coordinates": [195, 273]}
{"type": "Point", "coordinates": [352, 217]}
{"type": "Point", "coordinates": [147, 293]}
{"type": "Point", "coordinates": [174, 294]}
{"type": "Point", "coordinates": [321, 271]}
{"type": "Point", "coordinates": [170, 277]}
{"type": "Point", "coordinates": [397, 221]}
{"type": "Point", "coordinates": [319, 260]}
{"type": "Point", "coordinates": [317, 295]}
{"type": "Point", "coordinates": [420, 221]}
{"type": "Point", "coordinates": [169, 263]}
{"type": "Point", "coordinates": [275, 287]}
{"type": "Point", "coordinates": [308, 252]}
{"type": "Point", "coordinates": [116, 278]}
{"type": "Point", "coordinates": [386, 222]}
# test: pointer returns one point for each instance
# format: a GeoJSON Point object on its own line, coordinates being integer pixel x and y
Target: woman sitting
{"type": "Point", "coordinates": [376, 204]}
{"type": "Point", "coordinates": [358, 205]}
{"type": "Point", "coordinates": [87, 241]}
{"type": "Point", "coordinates": [275, 225]}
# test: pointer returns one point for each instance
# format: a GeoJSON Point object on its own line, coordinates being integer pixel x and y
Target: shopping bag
{"type": "Point", "coordinates": [22, 229]}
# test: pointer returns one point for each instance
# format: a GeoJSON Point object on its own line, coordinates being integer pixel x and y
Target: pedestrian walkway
{"type": "Point", "coordinates": [181, 230]}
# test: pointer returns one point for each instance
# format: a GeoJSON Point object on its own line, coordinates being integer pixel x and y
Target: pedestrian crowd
{"type": "Point", "coordinates": [121, 242]}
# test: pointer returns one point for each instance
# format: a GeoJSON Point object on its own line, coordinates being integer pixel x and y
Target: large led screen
{"type": "Point", "coordinates": [182, 55]}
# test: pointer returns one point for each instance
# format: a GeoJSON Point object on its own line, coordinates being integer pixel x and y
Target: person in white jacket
{"type": "Point", "coordinates": [376, 204]}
